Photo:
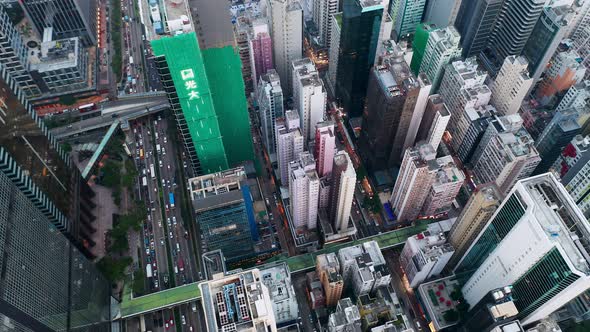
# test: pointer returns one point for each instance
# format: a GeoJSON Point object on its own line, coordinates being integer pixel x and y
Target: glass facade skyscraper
{"type": "Point", "coordinates": [361, 23]}
{"type": "Point", "coordinates": [47, 283]}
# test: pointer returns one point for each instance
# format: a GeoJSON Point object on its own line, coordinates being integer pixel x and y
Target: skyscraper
{"type": "Point", "coordinates": [565, 71]}
{"type": "Point", "coordinates": [395, 105]}
{"type": "Point", "coordinates": [48, 282]}
{"type": "Point", "coordinates": [287, 37]}
{"type": "Point", "coordinates": [442, 13]}
{"type": "Point", "coordinates": [511, 85]}
{"type": "Point", "coordinates": [444, 188]}
{"type": "Point", "coordinates": [419, 42]}
{"type": "Point", "coordinates": [407, 16]}
{"type": "Point", "coordinates": [539, 222]}
{"type": "Point", "coordinates": [361, 23]}
{"type": "Point", "coordinates": [557, 134]}
{"type": "Point", "coordinates": [206, 94]}
{"type": "Point", "coordinates": [309, 96]}
{"type": "Point", "coordinates": [260, 45]}
{"type": "Point", "coordinates": [434, 122]}
{"type": "Point", "coordinates": [475, 215]}
{"type": "Point", "coordinates": [322, 18]}
{"type": "Point", "coordinates": [68, 18]}
{"type": "Point", "coordinates": [334, 52]}
{"type": "Point", "coordinates": [442, 48]}
{"type": "Point", "coordinates": [512, 29]}
{"type": "Point", "coordinates": [577, 96]}
{"type": "Point", "coordinates": [342, 190]}
{"type": "Point", "coordinates": [475, 22]}
{"type": "Point", "coordinates": [290, 143]}
{"type": "Point", "coordinates": [270, 103]}
{"type": "Point", "coordinates": [304, 185]}
{"type": "Point", "coordinates": [328, 270]}
{"type": "Point", "coordinates": [325, 146]}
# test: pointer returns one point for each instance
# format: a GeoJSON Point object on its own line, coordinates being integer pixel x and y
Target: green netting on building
{"type": "Point", "coordinates": [421, 36]}
{"type": "Point", "coordinates": [187, 70]}
{"type": "Point", "coordinates": [224, 71]}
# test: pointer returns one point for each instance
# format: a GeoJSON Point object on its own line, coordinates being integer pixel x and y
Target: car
{"type": "Point", "coordinates": [167, 208]}
{"type": "Point", "coordinates": [159, 224]}
{"type": "Point", "coordinates": [147, 251]}
{"type": "Point", "coordinates": [190, 328]}
{"type": "Point", "coordinates": [165, 139]}
{"type": "Point", "coordinates": [171, 235]}
{"type": "Point", "coordinates": [168, 167]}
{"type": "Point", "coordinates": [168, 221]}
{"type": "Point", "coordinates": [163, 151]}
{"type": "Point", "coordinates": [167, 326]}
{"type": "Point", "coordinates": [162, 241]}
{"type": "Point", "coordinates": [183, 320]}
{"type": "Point", "coordinates": [171, 321]}
{"type": "Point", "coordinates": [174, 220]}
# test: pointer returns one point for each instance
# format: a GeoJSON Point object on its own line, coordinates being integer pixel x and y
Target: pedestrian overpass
{"type": "Point", "coordinates": [130, 307]}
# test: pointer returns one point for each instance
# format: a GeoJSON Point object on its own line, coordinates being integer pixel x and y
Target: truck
{"type": "Point", "coordinates": [152, 171]}
{"type": "Point", "coordinates": [141, 155]}
{"type": "Point", "coordinates": [158, 148]}
{"type": "Point", "coordinates": [131, 60]}
{"type": "Point", "coordinates": [171, 199]}
{"type": "Point", "coordinates": [148, 270]}
{"type": "Point", "coordinates": [144, 181]}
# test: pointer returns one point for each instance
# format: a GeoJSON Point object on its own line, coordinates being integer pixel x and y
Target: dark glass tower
{"type": "Point", "coordinates": [361, 22]}
{"type": "Point", "coordinates": [46, 281]}
{"type": "Point", "coordinates": [475, 22]}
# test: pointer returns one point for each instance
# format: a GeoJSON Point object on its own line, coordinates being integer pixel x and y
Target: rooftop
{"type": "Point", "coordinates": [216, 183]}
{"type": "Point", "coordinates": [436, 297]}
{"type": "Point", "coordinates": [56, 55]}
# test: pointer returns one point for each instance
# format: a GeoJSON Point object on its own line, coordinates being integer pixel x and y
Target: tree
{"type": "Point", "coordinates": [451, 315]}
{"type": "Point", "coordinates": [111, 174]}
{"type": "Point", "coordinates": [456, 295]}
{"type": "Point", "coordinates": [67, 100]}
{"type": "Point", "coordinates": [361, 173]}
{"type": "Point", "coordinates": [114, 269]}
{"type": "Point", "coordinates": [138, 283]}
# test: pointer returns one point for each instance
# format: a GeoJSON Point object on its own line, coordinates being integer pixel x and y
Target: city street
{"type": "Point", "coordinates": [134, 53]}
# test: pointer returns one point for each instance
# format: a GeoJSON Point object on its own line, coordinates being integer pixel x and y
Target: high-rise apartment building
{"type": "Point", "coordinates": [406, 15]}
{"type": "Point", "coordinates": [290, 143]}
{"type": "Point", "coordinates": [309, 96]}
{"type": "Point", "coordinates": [442, 13]}
{"type": "Point", "coordinates": [322, 18]}
{"type": "Point", "coordinates": [342, 190]}
{"type": "Point", "coordinates": [549, 31]}
{"type": "Point", "coordinates": [413, 182]}
{"type": "Point", "coordinates": [48, 281]}
{"type": "Point", "coordinates": [577, 183]}
{"type": "Point", "coordinates": [580, 32]}
{"type": "Point", "coordinates": [577, 96]}
{"type": "Point", "coordinates": [346, 317]}
{"type": "Point", "coordinates": [277, 278]}
{"type": "Point", "coordinates": [565, 71]}
{"type": "Point", "coordinates": [508, 156]}
{"type": "Point", "coordinates": [475, 22]}
{"type": "Point", "coordinates": [206, 94]}
{"type": "Point", "coordinates": [424, 256]}
{"type": "Point", "coordinates": [15, 55]}
{"type": "Point", "coordinates": [395, 105]}
{"type": "Point", "coordinates": [324, 147]}
{"type": "Point", "coordinates": [270, 106]}
{"type": "Point", "coordinates": [287, 37]}
{"type": "Point", "coordinates": [359, 36]}
{"type": "Point", "coordinates": [557, 134]}
{"type": "Point", "coordinates": [223, 209]}
{"type": "Point", "coordinates": [434, 122]}
{"type": "Point", "coordinates": [537, 243]}
{"type": "Point", "coordinates": [511, 85]}
{"type": "Point", "coordinates": [241, 31]}
{"type": "Point", "coordinates": [363, 268]}
{"type": "Point", "coordinates": [68, 18]}
{"type": "Point", "coordinates": [260, 44]}
{"type": "Point", "coordinates": [512, 29]}
{"type": "Point", "coordinates": [445, 187]}
{"type": "Point", "coordinates": [334, 51]}
{"type": "Point", "coordinates": [475, 215]}
{"type": "Point", "coordinates": [304, 185]}
{"type": "Point", "coordinates": [421, 36]}
{"type": "Point", "coordinates": [328, 270]}
{"type": "Point", "coordinates": [442, 48]}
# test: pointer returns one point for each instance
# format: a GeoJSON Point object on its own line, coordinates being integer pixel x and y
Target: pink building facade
{"type": "Point", "coordinates": [260, 49]}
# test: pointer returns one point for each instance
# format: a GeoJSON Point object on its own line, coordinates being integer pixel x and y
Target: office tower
{"type": "Point", "coordinates": [445, 187]}
{"type": "Point", "coordinates": [289, 143]}
{"type": "Point", "coordinates": [287, 37]}
{"type": "Point", "coordinates": [342, 190]}
{"type": "Point", "coordinates": [223, 210]}
{"type": "Point", "coordinates": [206, 94]}
{"type": "Point", "coordinates": [434, 122]}
{"type": "Point", "coordinates": [462, 87]}
{"type": "Point", "coordinates": [558, 133]}
{"type": "Point", "coordinates": [512, 29]}
{"type": "Point", "coordinates": [328, 270]}
{"type": "Point", "coordinates": [577, 96]}
{"type": "Point", "coordinates": [424, 256]}
{"type": "Point", "coordinates": [506, 158]}
{"type": "Point", "coordinates": [549, 31]}
{"type": "Point", "coordinates": [407, 17]}
{"type": "Point", "coordinates": [304, 186]}
{"type": "Point", "coordinates": [68, 18]}
{"type": "Point", "coordinates": [511, 85]}
{"type": "Point", "coordinates": [46, 227]}
{"type": "Point", "coordinates": [345, 318]}
{"type": "Point", "coordinates": [322, 18]}
{"type": "Point", "coordinates": [442, 13]}
{"type": "Point", "coordinates": [442, 48]}
{"type": "Point", "coordinates": [541, 223]}
{"type": "Point", "coordinates": [309, 96]}
{"type": "Point", "coordinates": [495, 312]}
{"type": "Point", "coordinates": [566, 70]}
{"type": "Point", "coordinates": [475, 214]}
{"type": "Point", "coordinates": [270, 104]}
{"type": "Point", "coordinates": [359, 36]}
{"type": "Point", "coordinates": [260, 45]}
{"type": "Point", "coordinates": [334, 51]}
{"type": "Point", "coordinates": [277, 278]}
{"type": "Point", "coordinates": [239, 302]}
{"type": "Point", "coordinates": [325, 146]}
{"type": "Point", "coordinates": [421, 36]}
{"type": "Point", "coordinates": [413, 182]}
{"type": "Point", "coordinates": [395, 105]}
{"type": "Point", "coordinates": [475, 22]}
{"type": "Point", "coordinates": [363, 268]}
{"type": "Point", "coordinates": [15, 56]}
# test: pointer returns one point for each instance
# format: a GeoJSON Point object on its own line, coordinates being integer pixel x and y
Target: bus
{"type": "Point", "coordinates": [152, 171]}
{"type": "Point", "coordinates": [144, 181]}
{"type": "Point", "coordinates": [171, 198]}
{"type": "Point", "coordinates": [148, 270]}
{"type": "Point", "coordinates": [86, 107]}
